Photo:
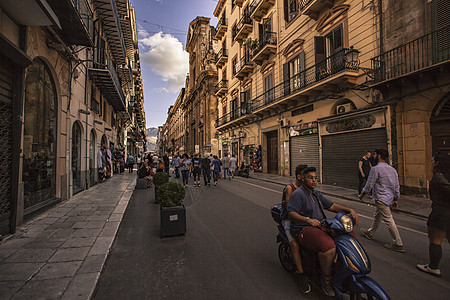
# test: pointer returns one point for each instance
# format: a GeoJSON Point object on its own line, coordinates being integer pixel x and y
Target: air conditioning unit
{"type": "Point", "coordinates": [344, 108]}
{"type": "Point", "coordinates": [284, 122]}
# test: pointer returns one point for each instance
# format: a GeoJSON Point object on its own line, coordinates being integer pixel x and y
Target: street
{"type": "Point", "coordinates": [230, 250]}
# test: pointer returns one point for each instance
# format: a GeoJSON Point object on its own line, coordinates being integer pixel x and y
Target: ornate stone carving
{"type": "Point", "coordinates": [293, 47]}
{"type": "Point", "coordinates": [331, 17]}
{"type": "Point", "coordinates": [359, 122]}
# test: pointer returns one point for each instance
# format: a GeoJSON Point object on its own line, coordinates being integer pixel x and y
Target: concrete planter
{"type": "Point", "coordinates": [173, 220]}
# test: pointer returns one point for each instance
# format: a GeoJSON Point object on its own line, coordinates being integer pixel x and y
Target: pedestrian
{"type": "Point", "coordinates": [138, 161]}
{"type": "Point", "coordinates": [145, 171]}
{"type": "Point", "coordinates": [364, 167]}
{"type": "Point", "coordinates": [176, 165]}
{"type": "Point", "coordinates": [185, 166]}
{"type": "Point", "coordinates": [383, 181]}
{"type": "Point", "coordinates": [439, 219]}
{"type": "Point", "coordinates": [233, 164]}
{"type": "Point", "coordinates": [195, 169]}
{"type": "Point", "coordinates": [130, 163]}
{"type": "Point", "coordinates": [211, 159]}
{"type": "Point", "coordinates": [216, 165]}
{"type": "Point", "coordinates": [226, 166]}
{"type": "Point", "coordinates": [166, 161]}
{"type": "Point", "coordinates": [206, 170]}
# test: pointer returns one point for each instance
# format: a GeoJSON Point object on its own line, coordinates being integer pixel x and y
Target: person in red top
{"type": "Point", "coordinates": [303, 282]}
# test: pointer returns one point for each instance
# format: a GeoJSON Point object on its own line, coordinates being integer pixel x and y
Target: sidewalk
{"type": "Point", "coordinates": [60, 253]}
{"type": "Point", "coordinates": [415, 206]}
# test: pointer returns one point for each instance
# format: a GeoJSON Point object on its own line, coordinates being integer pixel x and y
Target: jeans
{"type": "Point", "coordinates": [177, 172]}
{"type": "Point", "coordinates": [166, 169]}
{"type": "Point", "coordinates": [207, 176]}
{"type": "Point", "coordinates": [383, 212]}
{"type": "Point", "coordinates": [361, 183]}
{"type": "Point", "coordinates": [216, 176]}
{"type": "Point", "coordinates": [226, 171]}
{"type": "Point", "coordinates": [185, 175]}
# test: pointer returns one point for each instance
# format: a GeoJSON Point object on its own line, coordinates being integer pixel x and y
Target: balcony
{"type": "Point", "coordinates": [107, 81]}
{"type": "Point", "coordinates": [425, 53]}
{"type": "Point", "coordinates": [237, 117]}
{"type": "Point", "coordinates": [243, 28]}
{"type": "Point", "coordinates": [221, 27]}
{"type": "Point", "coordinates": [312, 8]}
{"type": "Point", "coordinates": [221, 88]}
{"type": "Point", "coordinates": [243, 67]}
{"type": "Point", "coordinates": [221, 57]}
{"type": "Point", "coordinates": [76, 20]}
{"type": "Point", "coordinates": [259, 8]}
{"type": "Point", "coordinates": [267, 46]}
{"type": "Point", "coordinates": [333, 70]}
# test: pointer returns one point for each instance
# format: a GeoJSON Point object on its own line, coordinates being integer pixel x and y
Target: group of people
{"type": "Point", "coordinates": [303, 209]}
{"type": "Point", "coordinates": [208, 166]}
{"type": "Point", "coordinates": [110, 161]}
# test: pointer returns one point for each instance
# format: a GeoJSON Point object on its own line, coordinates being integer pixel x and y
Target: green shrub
{"type": "Point", "coordinates": [160, 178]}
{"type": "Point", "coordinates": [171, 194]}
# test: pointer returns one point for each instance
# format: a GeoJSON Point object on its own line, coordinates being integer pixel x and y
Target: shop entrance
{"type": "Point", "coordinates": [440, 126]}
{"type": "Point", "coordinates": [272, 152]}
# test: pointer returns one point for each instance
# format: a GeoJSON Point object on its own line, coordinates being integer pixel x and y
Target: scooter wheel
{"type": "Point", "coordinates": [285, 256]}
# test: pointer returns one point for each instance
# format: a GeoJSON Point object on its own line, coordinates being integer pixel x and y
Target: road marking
{"type": "Point", "coordinates": [364, 216]}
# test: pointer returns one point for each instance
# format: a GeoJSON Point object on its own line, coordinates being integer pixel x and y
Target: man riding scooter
{"type": "Point", "coordinates": [305, 209]}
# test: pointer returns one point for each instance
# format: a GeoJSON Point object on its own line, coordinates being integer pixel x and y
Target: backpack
{"type": "Point", "coordinates": [284, 213]}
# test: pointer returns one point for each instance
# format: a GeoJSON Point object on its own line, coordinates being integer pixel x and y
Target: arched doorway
{"type": "Point", "coordinates": [92, 166]}
{"type": "Point", "coordinates": [76, 158]}
{"type": "Point", "coordinates": [440, 125]}
{"type": "Point", "coordinates": [104, 142]}
{"type": "Point", "coordinates": [39, 140]}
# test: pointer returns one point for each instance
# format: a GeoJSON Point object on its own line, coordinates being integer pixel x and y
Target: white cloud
{"type": "Point", "coordinates": [164, 54]}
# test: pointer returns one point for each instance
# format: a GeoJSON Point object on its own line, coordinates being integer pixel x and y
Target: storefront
{"type": "Point", "coordinates": [304, 146]}
{"type": "Point", "coordinates": [344, 140]}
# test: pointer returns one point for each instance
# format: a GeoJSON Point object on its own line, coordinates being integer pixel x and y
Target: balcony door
{"type": "Point", "coordinates": [327, 49]}
{"type": "Point", "coordinates": [76, 158]}
{"type": "Point", "coordinates": [294, 77]}
{"type": "Point", "coordinates": [441, 26]}
{"type": "Point", "coordinates": [234, 114]}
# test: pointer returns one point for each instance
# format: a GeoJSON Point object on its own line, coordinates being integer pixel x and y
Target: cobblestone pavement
{"type": "Point", "coordinates": [60, 253]}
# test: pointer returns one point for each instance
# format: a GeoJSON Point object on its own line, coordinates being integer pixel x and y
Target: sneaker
{"type": "Point", "coordinates": [229, 178]}
{"type": "Point", "coordinates": [395, 247]}
{"type": "Point", "coordinates": [427, 269]}
{"type": "Point", "coordinates": [215, 183]}
{"type": "Point", "coordinates": [209, 184]}
{"type": "Point", "coordinates": [327, 288]}
{"type": "Point", "coordinates": [303, 283]}
{"type": "Point", "coordinates": [366, 233]}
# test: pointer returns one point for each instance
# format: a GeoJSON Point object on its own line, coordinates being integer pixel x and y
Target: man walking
{"type": "Point", "coordinates": [206, 170]}
{"type": "Point", "coordinates": [383, 181]}
{"type": "Point", "coordinates": [233, 164]}
{"type": "Point", "coordinates": [166, 163]}
{"type": "Point", "coordinates": [176, 165]}
{"type": "Point", "coordinates": [364, 167]}
{"type": "Point", "coordinates": [226, 166]}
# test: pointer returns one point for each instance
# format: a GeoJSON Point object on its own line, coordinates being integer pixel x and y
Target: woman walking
{"type": "Point", "coordinates": [439, 219]}
{"type": "Point", "coordinates": [185, 167]}
{"type": "Point", "coordinates": [216, 164]}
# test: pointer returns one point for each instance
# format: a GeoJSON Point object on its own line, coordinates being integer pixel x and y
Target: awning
{"type": "Point", "coordinates": [13, 52]}
{"type": "Point", "coordinates": [104, 81]}
{"type": "Point", "coordinates": [30, 12]}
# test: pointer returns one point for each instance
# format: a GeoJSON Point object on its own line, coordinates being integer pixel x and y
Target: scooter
{"type": "Point", "coordinates": [243, 171]}
{"type": "Point", "coordinates": [351, 266]}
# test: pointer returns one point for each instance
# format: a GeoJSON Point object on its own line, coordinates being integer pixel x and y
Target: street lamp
{"type": "Point", "coordinates": [352, 55]}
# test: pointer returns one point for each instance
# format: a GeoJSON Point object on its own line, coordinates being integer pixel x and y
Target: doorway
{"type": "Point", "coordinates": [272, 152]}
{"type": "Point", "coordinates": [76, 158]}
{"type": "Point", "coordinates": [440, 126]}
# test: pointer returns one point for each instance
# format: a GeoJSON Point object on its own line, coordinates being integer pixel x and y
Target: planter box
{"type": "Point", "coordinates": [173, 220]}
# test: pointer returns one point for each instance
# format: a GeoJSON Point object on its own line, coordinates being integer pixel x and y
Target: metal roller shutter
{"type": "Point", "coordinates": [304, 150]}
{"type": "Point", "coordinates": [341, 153]}
{"type": "Point", "coordinates": [6, 98]}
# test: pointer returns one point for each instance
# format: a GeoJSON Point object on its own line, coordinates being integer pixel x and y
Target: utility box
{"type": "Point", "coordinates": [173, 220]}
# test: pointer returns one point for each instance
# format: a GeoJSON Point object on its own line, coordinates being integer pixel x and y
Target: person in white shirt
{"type": "Point", "coordinates": [233, 164]}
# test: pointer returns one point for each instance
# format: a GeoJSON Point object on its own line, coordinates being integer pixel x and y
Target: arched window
{"type": "Point", "coordinates": [76, 158]}
{"type": "Point", "coordinates": [39, 140]}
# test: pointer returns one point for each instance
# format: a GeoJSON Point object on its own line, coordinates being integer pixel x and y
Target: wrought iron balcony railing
{"type": "Point", "coordinates": [305, 3]}
{"type": "Point", "coordinates": [308, 77]}
{"type": "Point", "coordinates": [253, 6]}
{"type": "Point", "coordinates": [222, 22]}
{"type": "Point", "coordinates": [233, 115]}
{"type": "Point", "coordinates": [245, 20]}
{"type": "Point", "coordinates": [268, 38]}
{"type": "Point", "coordinates": [422, 53]}
{"type": "Point", "coordinates": [223, 53]}
{"type": "Point", "coordinates": [223, 84]}
{"type": "Point", "coordinates": [241, 64]}
{"type": "Point", "coordinates": [86, 14]}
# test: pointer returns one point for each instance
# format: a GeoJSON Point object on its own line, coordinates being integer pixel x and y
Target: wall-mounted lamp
{"type": "Point", "coordinates": [84, 112]}
{"type": "Point", "coordinates": [98, 122]}
{"type": "Point", "coordinates": [107, 129]}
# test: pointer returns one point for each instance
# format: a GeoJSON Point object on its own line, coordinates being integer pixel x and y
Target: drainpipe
{"type": "Point", "coordinates": [380, 16]}
{"type": "Point", "coordinates": [87, 129]}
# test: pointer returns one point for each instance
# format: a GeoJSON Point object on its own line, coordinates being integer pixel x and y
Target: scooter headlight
{"type": "Point", "coordinates": [347, 222]}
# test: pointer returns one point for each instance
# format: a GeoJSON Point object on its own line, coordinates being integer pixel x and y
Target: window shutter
{"type": "Point", "coordinates": [286, 10]}
{"type": "Point", "coordinates": [338, 39]}
{"type": "Point", "coordinates": [286, 79]}
{"type": "Point", "coordinates": [301, 64]}
{"type": "Point", "coordinates": [319, 45]}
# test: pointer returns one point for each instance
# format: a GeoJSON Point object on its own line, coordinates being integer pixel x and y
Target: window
{"type": "Point", "coordinates": [268, 91]}
{"type": "Point", "coordinates": [326, 52]}
{"type": "Point", "coordinates": [224, 110]}
{"type": "Point", "coordinates": [294, 78]}
{"type": "Point", "coordinates": [234, 109]}
{"type": "Point", "coordinates": [290, 10]}
{"type": "Point", "coordinates": [245, 101]}
{"type": "Point", "coordinates": [224, 74]}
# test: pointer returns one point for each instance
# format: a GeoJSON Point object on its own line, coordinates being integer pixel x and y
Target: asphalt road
{"type": "Point", "coordinates": [230, 250]}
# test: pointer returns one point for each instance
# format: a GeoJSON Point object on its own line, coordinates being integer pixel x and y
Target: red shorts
{"type": "Point", "coordinates": [316, 239]}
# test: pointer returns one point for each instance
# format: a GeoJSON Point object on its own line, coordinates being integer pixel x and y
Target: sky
{"type": "Point", "coordinates": [162, 30]}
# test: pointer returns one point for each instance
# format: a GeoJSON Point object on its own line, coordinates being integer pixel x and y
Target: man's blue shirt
{"type": "Point", "coordinates": [307, 204]}
{"type": "Point", "coordinates": [383, 181]}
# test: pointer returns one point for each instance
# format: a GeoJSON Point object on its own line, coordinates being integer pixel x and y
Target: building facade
{"type": "Point", "coordinates": [69, 96]}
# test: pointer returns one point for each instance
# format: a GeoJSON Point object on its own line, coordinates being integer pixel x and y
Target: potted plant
{"type": "Point", "coordinates": [172, 210]}
{"type": "Point", "coordinates": [159, 179]}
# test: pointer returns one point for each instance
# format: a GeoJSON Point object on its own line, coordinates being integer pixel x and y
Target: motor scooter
{"type": "Point", "coordinates": [243, 171]}
{"type": "Point", "coordinates": [351, 266]}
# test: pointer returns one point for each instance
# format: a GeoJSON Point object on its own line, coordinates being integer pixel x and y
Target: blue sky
{"type": "Point", "coordinates": [163, 27]}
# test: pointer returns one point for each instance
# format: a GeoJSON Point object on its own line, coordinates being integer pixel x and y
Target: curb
{"type": "Point", "coordinates": [353, 199]}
